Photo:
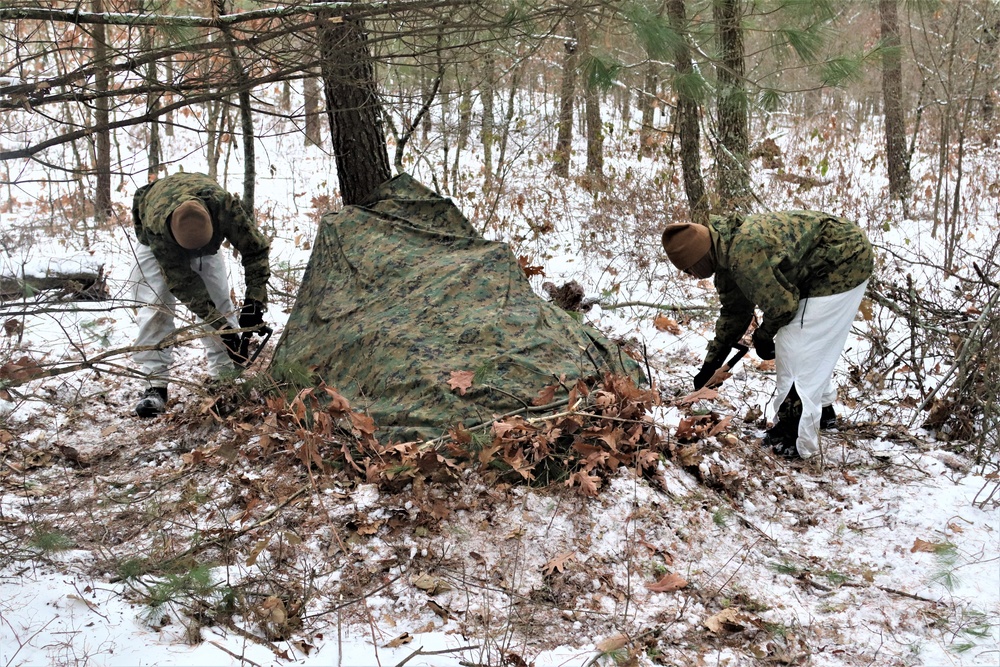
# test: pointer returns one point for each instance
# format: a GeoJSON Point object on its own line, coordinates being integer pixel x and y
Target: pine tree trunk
{"type": "Point", "coordinates": [731, 159]}
{"type": "Point", "coordinates": [688, 122]}
{"type": "Point", "coordinates": [592, 114]}
{"type": "Point", "coordinates": [564, 142]}
{"type": "Point", "coordinates": [595, 133]}
{"type": "Point", "coordinates": [353, 109]}
{"type": "Point", "coordinates": [892, 99]}
{"type": "Point", "coordinates": [311, 93]}
{"type": "Point", "coordinates": [647, 104]}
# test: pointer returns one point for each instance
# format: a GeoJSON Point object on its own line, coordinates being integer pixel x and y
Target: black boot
{"type": "Point", "coordinates": [153, 403]}
{"type": "Point", "coordinates": [782, 436]}
{"type": "Point", "coordinates": [781, 439]}
{"type": "Point", "coordinates": [828, 418]}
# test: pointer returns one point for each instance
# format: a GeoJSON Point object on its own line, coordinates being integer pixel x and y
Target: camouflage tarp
{"type": "Point", "coordinates": [402, 292]}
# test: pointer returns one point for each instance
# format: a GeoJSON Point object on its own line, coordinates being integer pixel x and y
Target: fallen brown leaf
{"type": "Point", "coordinates": [668, 583]}
{"type": "Point", "coordinates": [461, 380]}
{"type": "Point", "coordinates": [664, 323]}
{"type": "Point", "coordinates": [727, 620]}
{"type": "Point", "coordinates": [924, 546]}
{"type": "Point", "coordinates": [558, 564]}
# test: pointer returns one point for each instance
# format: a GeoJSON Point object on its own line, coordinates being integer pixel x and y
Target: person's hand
{"type": "Point", "coordinates": [252, 314]}
{"type": "Point", "coordinates": [707, 371]}
{"type": "Point", "coordinates": [763, 344]}
{"type": "Point", "coordinates": [232, 341]}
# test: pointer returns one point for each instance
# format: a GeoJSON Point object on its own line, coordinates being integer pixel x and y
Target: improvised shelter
{"type": "Point", "coordinates": [401, 292]}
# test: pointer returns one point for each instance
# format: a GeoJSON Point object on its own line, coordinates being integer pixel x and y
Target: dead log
{"type": "Point", "coordinates": [69, 286]}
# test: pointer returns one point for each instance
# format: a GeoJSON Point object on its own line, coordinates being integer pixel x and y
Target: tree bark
{"type": "Point", "coordinates": [892, 100]}
{"type": "Point", "coordinates": [487, 133]}
{"type": "Point", "coordinates": [731, 156]}
{"type": "Point", "coordinates": [564, 142]}
{"type": "Point", "coordinates": [592, 114]}
{"type": "Point", "coordinates": [353, 109]}
{"type": "Point", "coordinates": [688, 121]}
{"type": "Point", "coordinates": [648, 101]}
{"type": "Point", "coordinates": [311, 93]}
{"type": "Point", "coordinates": [246, 113]}
{"type": "Point", "coordinates": [102, 194]}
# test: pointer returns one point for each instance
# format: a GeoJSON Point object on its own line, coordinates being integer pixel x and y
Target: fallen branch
{"type": "Point", "coordinates": [659, 306]}
{"type": "Point", "coordinates": [74, 286]}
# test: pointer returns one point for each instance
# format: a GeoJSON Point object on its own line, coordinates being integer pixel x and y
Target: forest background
{"type": "Point", "coordinates": [575, 126]}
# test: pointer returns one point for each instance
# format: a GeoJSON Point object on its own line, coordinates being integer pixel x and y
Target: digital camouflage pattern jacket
{"type": "Point", "coordinates": [772, 260]}
{"type": "Point", "coordinates": [151, 209]}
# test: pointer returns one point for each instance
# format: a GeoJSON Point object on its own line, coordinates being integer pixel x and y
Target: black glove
{"type": "Point", "coordinates": [252, 314]}
{"type": "Point", "coordinates": [232, 342]}
{"type": "Point", "coordinates": [707, 371]}
{"type": "Point", "coordinates": [763, 344]}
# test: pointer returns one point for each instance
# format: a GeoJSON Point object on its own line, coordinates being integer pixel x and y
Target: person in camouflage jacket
{"type": "Point", "coordinates": [181, 222]}
{"type": "Point", "coordinates": [807, 272]}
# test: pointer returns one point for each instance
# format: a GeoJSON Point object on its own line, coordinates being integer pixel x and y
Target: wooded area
{"type": "Point", "coordinates": [703, 83]}
{"type": "Point", "coordinates": [73, 83]}
{"type": "Point", "coordinates": [571, 132]}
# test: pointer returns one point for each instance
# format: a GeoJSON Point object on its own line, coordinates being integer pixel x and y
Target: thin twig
{"type": "Point", "coordinates": [420, 651]}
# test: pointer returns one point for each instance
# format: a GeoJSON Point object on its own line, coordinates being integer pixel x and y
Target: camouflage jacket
{"type": "Point", "coordinates": [151, 209]}
{"type": "Point", "coordinates": [772, 260]}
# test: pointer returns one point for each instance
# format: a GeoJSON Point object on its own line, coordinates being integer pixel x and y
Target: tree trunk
{"type": "Point", "coordinates": [731, 154]}
{"type": "Point", "coordinates": [155, 151]}
{"type": "Point", "coordinates": [464, 119]}
{"type": "Point", "coordinates": [647, 104]}
{"type": "Point", "coordinates": [353, 109]}
{"type": "Point", "coordinates": [246, 115]}
{"type": "Point", "coordinates": [487, 133]}
{"type": "Point", "coordinates": [168, 75]}
{"type": "Point", "coordinates": [314, 130]}
{"type": "Point", "coordinates": [564, 142]}
{"type": "Point", "coordinates": [215, 127]}
{"type": "Point", "coordinates": [688, 122]}
{"type": "Point", "coordinates": [153, 102]}
{"type": "Point", "coordinates": [595, 132]}
{"type": "Point", "coordinates": [592, 113]}
{"type": "Point", "coordinates": [102, 194]}
{"type": "Point", "coordinates": [892, 99]}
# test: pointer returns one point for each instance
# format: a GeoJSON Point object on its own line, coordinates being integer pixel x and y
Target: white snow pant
{"type": "Point", "coordinates": [156, 316]}
{"type": "Point", "coordinates": [806, 354]}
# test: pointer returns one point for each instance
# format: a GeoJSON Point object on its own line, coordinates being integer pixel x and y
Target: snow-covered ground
{"type": "Point", "coordinates": [882, 553]}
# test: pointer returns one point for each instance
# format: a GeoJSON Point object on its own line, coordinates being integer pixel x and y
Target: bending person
{"type": "Point", "coordinates": [807, 271]}
{"type": "Point", "coordinates": [180, 222]}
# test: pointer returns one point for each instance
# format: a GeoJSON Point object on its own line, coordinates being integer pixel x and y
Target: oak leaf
{"type": "Point", "coordinates": [558, 564]}
{"type": "Point", "coordinates": [545, 396]}
{"type": "Point", "coordinates": [338, 403]}
{"type": "Point", "coordinates": [668, 583]}
{"type": "Point", "coordinates": [588, 483]}
{"type": "Point", "coordinates": [461, 380]}
{"type": "Point", "coordinates": [703, 394]}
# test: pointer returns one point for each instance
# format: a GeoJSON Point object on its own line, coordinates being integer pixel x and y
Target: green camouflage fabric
{"type": "Point", "coordinates": [772, 260]}
{"type": "Point", "coordinates": [151, 209]}
{"type": "Point", "coordinates": [402, 292]}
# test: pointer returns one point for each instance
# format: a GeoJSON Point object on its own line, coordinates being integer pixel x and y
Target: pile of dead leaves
{"type": "Point", "coordinates": [599, 429]}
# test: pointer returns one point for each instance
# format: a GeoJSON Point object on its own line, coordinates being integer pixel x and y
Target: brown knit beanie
{"type": "Point", "coordinates": [686, 243]}
{"type": "Point", "coordinates": [191, 225]}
